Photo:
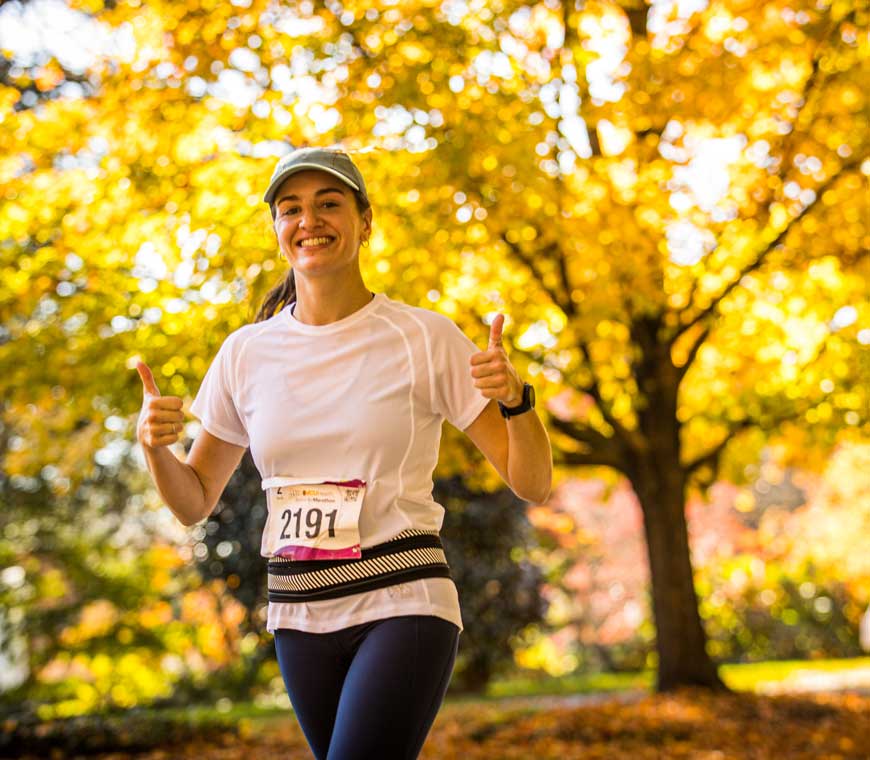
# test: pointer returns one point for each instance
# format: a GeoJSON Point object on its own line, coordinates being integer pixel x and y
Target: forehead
{"type": "Point", "coordinates": [308, 182]}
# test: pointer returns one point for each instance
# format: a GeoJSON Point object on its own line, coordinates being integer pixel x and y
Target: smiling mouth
{"type": "Point", "coordinates": [318, 242]}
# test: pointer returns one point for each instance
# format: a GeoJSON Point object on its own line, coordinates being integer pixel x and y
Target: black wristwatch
{"type": "Point", "coordinates": [527, 403]}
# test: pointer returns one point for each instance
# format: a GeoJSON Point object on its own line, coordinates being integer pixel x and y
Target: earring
{"type": "Point", "coordinates": [364, 243]}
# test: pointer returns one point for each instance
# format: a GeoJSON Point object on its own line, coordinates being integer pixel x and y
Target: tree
{"type": "Point", "coordinates": [665, 200]}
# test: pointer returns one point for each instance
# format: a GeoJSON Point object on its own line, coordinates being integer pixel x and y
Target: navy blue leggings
{"type": "Point", "coordinates": [371, 690]}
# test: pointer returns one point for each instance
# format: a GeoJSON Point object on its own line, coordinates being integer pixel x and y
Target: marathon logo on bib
{"type": "Point", "coordinates": [313, 518]}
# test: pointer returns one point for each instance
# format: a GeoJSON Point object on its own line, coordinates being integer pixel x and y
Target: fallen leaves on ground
{"type": "Point", "coordinates": [690, 723]}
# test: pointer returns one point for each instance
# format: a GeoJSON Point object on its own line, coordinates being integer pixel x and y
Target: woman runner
{"type": "Point", "coordinates": [341, 394]}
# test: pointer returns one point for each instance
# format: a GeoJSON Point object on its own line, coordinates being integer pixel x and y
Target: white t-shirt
{"type": "Point", "coordinates": [364, 397]}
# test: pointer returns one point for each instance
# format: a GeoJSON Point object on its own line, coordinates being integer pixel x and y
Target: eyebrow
{"type": "Point", "coordinates": [319, 192]}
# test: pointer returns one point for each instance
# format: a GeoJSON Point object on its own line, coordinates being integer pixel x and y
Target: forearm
{"type": "Point", "coordinates": [530, 460]}
{"type": "Point", "coordinates": [177, 484]}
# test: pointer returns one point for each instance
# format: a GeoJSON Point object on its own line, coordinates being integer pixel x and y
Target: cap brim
{"type": "Point", "coordinates": [276, 182]}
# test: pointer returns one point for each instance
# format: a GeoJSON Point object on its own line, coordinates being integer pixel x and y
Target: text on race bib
{"type": "Point", "coordinates": [316, 520]}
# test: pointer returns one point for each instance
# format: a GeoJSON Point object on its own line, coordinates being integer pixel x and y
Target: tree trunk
{"type": "Point", "coordinates": [680, 637]}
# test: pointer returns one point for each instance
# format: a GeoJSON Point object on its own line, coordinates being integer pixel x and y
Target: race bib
{"type": "Point", "coordinates": [313, 518]}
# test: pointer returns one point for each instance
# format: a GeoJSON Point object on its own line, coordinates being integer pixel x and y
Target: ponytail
{"type": "Point", "coordinates": [278, 297]}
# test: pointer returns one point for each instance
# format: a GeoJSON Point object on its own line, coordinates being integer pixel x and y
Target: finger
{"type": "Point", "coordinates": [481, 357]}
{"type": "Point", "coordinates": [161, 417]}
{"type": "Point", "coordinates": [484, 370]}
{"type": "Point", "coordinates": [147, 379]}
{"type": "Point", "coordinates": [495, 381]}
{"type": "Point", "coordinates": [159, 429]}
{"type": "Point", "coordinates": [167, 403]}
{"type": "Point", "coordinates": [162, 440]}
{"type": "Point", "coordinates": [166, 430]}
{"type": "Point", "coordinates": [495, 331]}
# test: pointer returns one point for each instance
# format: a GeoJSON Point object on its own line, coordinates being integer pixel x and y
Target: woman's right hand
{"type": "Point", "coordinates": [161, 419]}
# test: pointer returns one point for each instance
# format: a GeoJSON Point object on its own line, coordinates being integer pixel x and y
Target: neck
{"type": "Point", "coordinates": [320, 304]}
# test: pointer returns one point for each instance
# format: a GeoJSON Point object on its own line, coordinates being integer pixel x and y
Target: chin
{"type": "Point", "coordinates": [315, 269]}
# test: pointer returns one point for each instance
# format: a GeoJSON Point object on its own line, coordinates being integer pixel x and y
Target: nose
{"type": "Point", "coordinates": [309, 216]}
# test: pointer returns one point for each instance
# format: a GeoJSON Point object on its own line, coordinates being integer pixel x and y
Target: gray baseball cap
{"type": "Point", "coordinates": [329, 160]}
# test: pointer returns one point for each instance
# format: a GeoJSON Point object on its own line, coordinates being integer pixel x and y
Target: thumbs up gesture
{"type": "Point", "coordinates": [161, 418]}
{"type": "Point", "coordinates": [493, 374]}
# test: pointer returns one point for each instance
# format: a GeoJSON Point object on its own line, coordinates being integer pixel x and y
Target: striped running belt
{"type": "Point", "coordinates": [411, 555]}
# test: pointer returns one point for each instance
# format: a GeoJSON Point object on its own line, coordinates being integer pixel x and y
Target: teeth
{"type": "Point", "coordinates": [315, 241]}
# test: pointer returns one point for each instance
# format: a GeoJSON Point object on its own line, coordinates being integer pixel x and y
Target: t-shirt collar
{"type": "Point", "coordinates": [341, 324]}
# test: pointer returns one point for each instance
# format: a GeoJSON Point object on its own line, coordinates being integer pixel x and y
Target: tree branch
{"type": "Point", "coordinates": [584, 434]}
{"type": "Point", "coordinates": [630, 438]}
{"type": "Point", "coordinates": [636, 11]}
{"type": "Point", "coordinates": [568, 307]}
{"type": "Point", "coordinates": [712, 457]}
{"type": "Point", "coordinates": [633, 440]}
{"type": "Point", "coordinates": [538, 274]}
{"type": "Point", "coordinates": [760, 258]}
{"type": "Point", "coordinates": [585, 459]}
{"type": "Point", "coordinates": [787, 144]}
{"type": "Point", "coordinates": [693, 351]}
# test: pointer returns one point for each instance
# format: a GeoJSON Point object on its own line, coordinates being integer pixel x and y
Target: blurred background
{"type": "Point", "coordinates": [668, 200]}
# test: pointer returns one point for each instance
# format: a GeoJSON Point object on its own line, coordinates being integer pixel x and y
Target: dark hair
{"type": "Point", "coordinates": [285, 291]}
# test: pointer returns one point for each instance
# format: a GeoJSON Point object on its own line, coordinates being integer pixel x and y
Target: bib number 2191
{"type": "Point", "coordinates": [294, 527]}
{"type": "Point", "coordinates": [313, 518]}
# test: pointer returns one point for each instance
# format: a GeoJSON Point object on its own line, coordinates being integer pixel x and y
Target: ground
{"type": "Point", "coordinates": [690, 723]}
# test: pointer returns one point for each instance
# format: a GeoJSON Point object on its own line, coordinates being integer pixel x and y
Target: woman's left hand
{"type": "Point", "coordinates": [493, 373]}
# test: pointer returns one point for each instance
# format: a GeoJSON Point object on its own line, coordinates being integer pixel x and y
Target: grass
{"type": "Point", "coordinates": [748, 676]}
{"type": "Point", "coordinates": [737, 676]}
{"type": "Point", "coordinates": [581, 683]}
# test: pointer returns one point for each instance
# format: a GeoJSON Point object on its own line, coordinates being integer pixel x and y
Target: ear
{"type": "Point", "coordinates": [367, 222]}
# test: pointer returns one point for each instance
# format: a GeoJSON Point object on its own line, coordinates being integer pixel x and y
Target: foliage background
{"type": "Point", "coordinates": [582, 167]}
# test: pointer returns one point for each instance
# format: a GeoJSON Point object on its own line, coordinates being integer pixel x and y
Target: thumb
{"type": "Point", "coordinates": [147, 379]}
{"type": "Point", "coordinates": [495, 331]}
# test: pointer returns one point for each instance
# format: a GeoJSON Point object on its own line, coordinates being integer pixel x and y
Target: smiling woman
{"type": "Point", "coordinates": [313, 213]}
{"type": "Point", "coordinates": [319, 232]}
{"type": "Point", "coordinates": [341, 394]}
{"type": "Point", "coordinates": [313, 224]}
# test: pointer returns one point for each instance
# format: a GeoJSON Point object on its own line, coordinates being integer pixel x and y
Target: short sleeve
{"type": "Point", "coordinates": [214, 404]}
{"type": "Point", "coordinates": [455, 397]}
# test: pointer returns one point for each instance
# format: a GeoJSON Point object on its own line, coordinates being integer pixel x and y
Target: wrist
{"type": "Point", "coordinates": [521, 405]}
{"type": "Point", "coordinates": [516, 397]}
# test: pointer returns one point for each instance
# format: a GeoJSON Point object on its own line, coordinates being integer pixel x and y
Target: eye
{"type": "Point", "coordinates": [287, 210]}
